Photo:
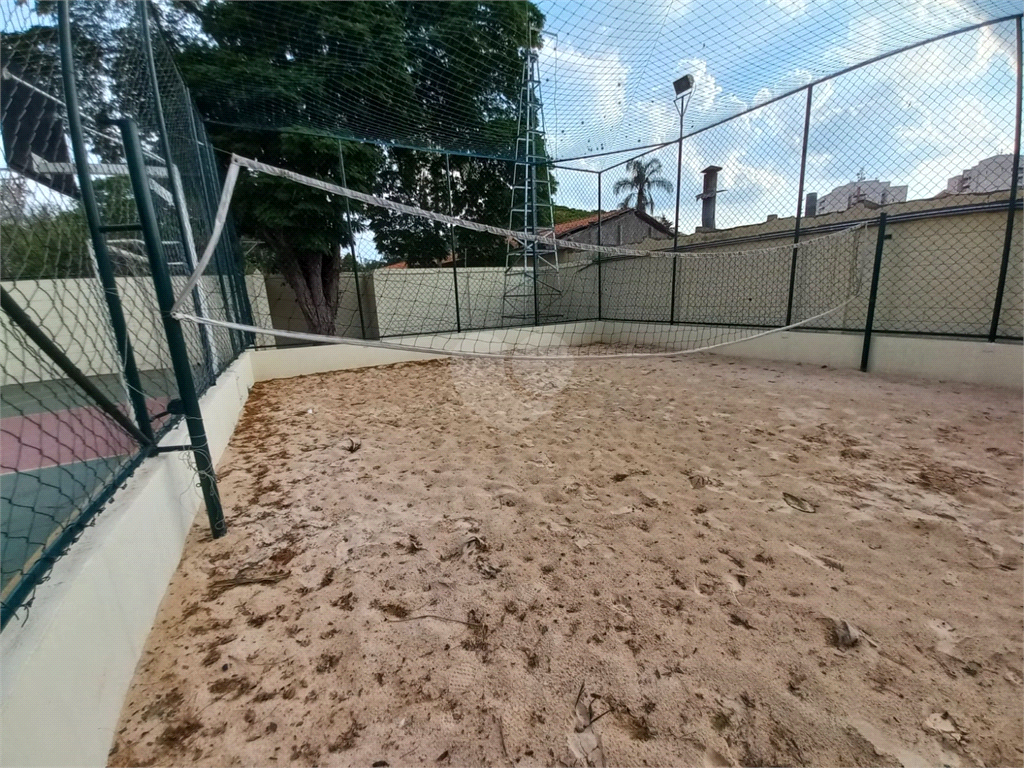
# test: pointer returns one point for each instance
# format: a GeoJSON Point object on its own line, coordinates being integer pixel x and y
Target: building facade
{"type": "Point", "coordinates": [990, 175]}
{"type": "Point", "coordinates": [869, 191]}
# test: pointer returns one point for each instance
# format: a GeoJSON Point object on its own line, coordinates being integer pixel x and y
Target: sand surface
{"type": "Point", "coordinates": [634, 562]}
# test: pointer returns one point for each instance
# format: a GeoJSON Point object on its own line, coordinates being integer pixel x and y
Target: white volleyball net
{"type": "Point", "coordinates": [499, 292]}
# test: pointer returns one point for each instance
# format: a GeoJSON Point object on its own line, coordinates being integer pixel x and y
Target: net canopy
{"type": "Point", "coordinates": [444, 76]}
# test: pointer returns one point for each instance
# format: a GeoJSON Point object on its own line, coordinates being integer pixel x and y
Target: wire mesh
{"type": "Point", "coordinates": [62, 453]}
{"type": "Point", "coordinates": [416, 74]}
{"type": "Point", "coordinates": [927, 135]}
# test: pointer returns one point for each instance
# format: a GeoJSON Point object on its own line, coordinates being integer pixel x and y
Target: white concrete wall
{"type": "Point", "coordinates": [74, 314]}
{"type": "Point", "coordinates": [423, 300]}
{"type": "Point", "coordinates": [966, 360]}
{"type": "Point", "coordinates": [64, 674]}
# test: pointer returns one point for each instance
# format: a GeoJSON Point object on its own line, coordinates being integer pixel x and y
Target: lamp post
{"type": "Point", "coordinates": [683, 87]}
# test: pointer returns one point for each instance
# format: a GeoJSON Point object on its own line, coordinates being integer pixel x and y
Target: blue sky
{"type": "Point", "coordinates": [916, 118]}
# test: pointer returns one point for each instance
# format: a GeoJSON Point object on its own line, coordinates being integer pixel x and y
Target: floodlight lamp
{"type": "Point", "coordinates": [683, 85]}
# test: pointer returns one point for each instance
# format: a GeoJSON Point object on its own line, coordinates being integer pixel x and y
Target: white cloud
{"type": "Point", "coordinates": [583, 95]}
{"type": "Point", "coordinates": [789, 7]}
{"type": "Point", "coordinates": [705, 89]}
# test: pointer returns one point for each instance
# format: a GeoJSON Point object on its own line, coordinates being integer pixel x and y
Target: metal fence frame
{"type": "Point", "coordinates": [140, 423]}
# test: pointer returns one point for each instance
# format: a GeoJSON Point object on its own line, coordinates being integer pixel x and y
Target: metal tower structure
{"type": "Point", "coordinates": [531, 268]}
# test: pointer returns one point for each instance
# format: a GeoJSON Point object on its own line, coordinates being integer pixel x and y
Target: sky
{"type": "Point", "coordinates": [916, 118]}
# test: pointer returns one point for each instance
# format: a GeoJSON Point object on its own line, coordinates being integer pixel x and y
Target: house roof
{"type": "Point", "coordinates": [571, 227]}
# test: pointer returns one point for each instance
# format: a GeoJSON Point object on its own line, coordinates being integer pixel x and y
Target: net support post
{"type": "Point", "coordinates": [873, 294]}
{"type": "Point", "coordinates": [352, 244]}
{"type": "Point", "coordinates": [600, 214]}
{"type": "Point", "coordinates": [799, 205]}
{"type": "Point", "coordinates": [451, 235]}
{"type": "Point", "coordinates": [1004, 265]}
{"type": "Point", "coordinates": [172, 327]}
{"type": "Point", "coordinates": [675, 233]}
{"type": "Point", "coordinates": [243, 307]}
{"type": "Point", "coordinates": [237, 341]}
{"type": "Point", "coordinates": [104, 268]}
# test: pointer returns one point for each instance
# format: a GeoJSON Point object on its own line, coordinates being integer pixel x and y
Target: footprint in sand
{"type": "Point", "coordinates": [828, 563]}
{"type": "Point", "coordinates": [713, 759]}
{"type": "Point", "coordinates": [947, 634]}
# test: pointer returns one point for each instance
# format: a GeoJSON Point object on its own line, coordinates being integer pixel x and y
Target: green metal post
{"type": "Point", "coordinates": [451, 235]}
{"type": "Point", "coordinates": [799, 205]}
{"type": "Point", "coordinates": [873, 296]}
{"type": "Point", "coordinates": [1012, 205]}
{"type": "Point", "coordinates": [237, 344]}
{"type": "Point", "coordinates": [600, 222]}
{"type": "Point", "coordinates": [105, 270]}
{"type": "Point", "coordinates": [238, 267]}
{"type": "Point", "coordinates": [175, 336]}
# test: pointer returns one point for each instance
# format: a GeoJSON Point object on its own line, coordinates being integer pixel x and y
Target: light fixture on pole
{"type": "Point", "coordinates": [683, 87]}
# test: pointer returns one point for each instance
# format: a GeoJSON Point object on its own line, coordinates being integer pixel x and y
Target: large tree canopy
{"type": "Point", "coordinates": [443, 61]}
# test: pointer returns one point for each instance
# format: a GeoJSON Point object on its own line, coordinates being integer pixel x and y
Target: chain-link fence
{"type": "Point", "coordinates": [87, 373]}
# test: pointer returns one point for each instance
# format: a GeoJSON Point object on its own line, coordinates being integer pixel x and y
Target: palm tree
{"type": "Point", "coordinates": [644, 177]}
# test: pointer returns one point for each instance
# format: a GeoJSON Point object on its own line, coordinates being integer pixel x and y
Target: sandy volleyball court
{"type": "Point", "coordinates": [693, 561]}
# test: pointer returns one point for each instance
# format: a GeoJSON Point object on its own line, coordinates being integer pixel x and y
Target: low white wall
{"type": "Point", "coordinates": [975, 362]}
{"type": "Point", "coordinates": [65, 673]}
{"type": "Point", "coordinates": [967, 360]}
{"type": "Point", "coordinates": [972, 361]}
{"type": "Point", "coordinates": [286, 362]}
{"type": "Point", "coordinates": [299, 361]}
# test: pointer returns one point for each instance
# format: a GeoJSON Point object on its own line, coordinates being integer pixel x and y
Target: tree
{"type": "Point", "coordinates": [420, 70]}
{"type": "Point", "coordinates": [480, 191]}
{"type": "Point", "coordinates": [281, 81]}
{"type": "Point", "coordinates": [644, 177]}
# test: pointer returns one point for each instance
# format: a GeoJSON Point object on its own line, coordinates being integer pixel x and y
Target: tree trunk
{"type": "Point", "coordinates": [314, 278]}
{"type": "Point", "coordinates": [641, 200]}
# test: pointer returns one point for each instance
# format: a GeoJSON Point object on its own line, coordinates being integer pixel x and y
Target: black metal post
{"type": "Point", "coordinates": [993, 331]}
{"type": "Point", "coordinates": [873, 295]}
{"type": "Point", "coordinates": [451, 235]}
{"type": "Point", "coordinates": [21, 319]}
{"type": "Point", "coordinates": [679, 176]}
{"type": "Point", "coordinates": [176, 192]}
{"type": "Point", "coordinates": [600, 214]}
{"type": "Point", "coordinates": [675, 235]}
{"type": "Point", "coordinates": [175, 336]}
{"type": "Point", "coordinates": [352, 242]}
{"type": "Point", "coordinates": [104, 268]}
{"type": "Point", "coordinates": [799, 206]}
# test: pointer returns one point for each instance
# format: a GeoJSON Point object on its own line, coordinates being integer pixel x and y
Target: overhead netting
{"type": "Point", "coordinates": [580, 299]}
{"type": "Point", "coordinates": [445, 76]}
